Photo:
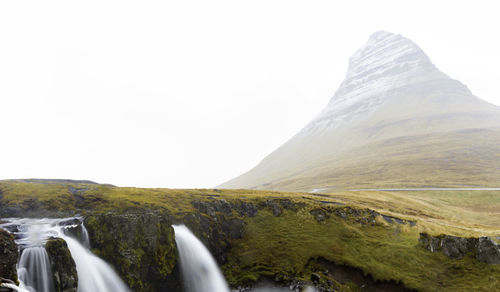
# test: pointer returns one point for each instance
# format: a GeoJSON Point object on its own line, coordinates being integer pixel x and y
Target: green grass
{"type": "Point", "coordinates": [461, 213]}
{"type": "Point", "coordinates": [446, 159]}
{"type": "Point", "coordinates": [104, 198]}
{"type": "Point", "coordinates": [285, 245]}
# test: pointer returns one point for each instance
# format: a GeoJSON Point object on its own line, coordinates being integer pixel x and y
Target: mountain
{"type": "Point", "coordinates": [395, 121]}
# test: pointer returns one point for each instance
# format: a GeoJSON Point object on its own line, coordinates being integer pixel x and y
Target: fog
{"type": "Point", "coordinates": [193, 93]}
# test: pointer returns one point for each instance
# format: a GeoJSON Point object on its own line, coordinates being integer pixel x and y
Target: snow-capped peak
{"type": "Point", "coordinates": [384, 51]}
{"type": "Point", "coordinates": [386, 62]}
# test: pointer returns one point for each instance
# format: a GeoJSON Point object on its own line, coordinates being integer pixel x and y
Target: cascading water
{"type": "Point", "coordinates": [199, 269]}
{"type": "Point", "coordinates": [94, 274]}
{"type": "Point", "coordinates": [85, 235]}
{"type": "Point", "coordinates": [34, 270]}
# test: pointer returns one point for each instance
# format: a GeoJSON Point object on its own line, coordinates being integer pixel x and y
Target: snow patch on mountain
{"type": "Point", "coordinates": [387, 62]}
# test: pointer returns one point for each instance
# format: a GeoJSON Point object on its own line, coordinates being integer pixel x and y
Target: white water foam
{"type": "Point", "coordinates": [34, 271]}
{"type": "Point", "coordinates": [199, 269]}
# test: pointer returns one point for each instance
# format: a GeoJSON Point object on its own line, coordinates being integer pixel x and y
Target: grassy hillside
{"type": "Point", "coordinates": [448, 159]}
{"type": "Point", "coordinates": [296, 235]}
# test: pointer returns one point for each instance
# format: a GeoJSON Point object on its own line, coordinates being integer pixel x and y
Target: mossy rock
{"type": "Point", "coordinates": [8, 256]}
{"type": "Point", "coordinates": [141, 247]}
{"type": "Point", "coordinates": [63, 266]}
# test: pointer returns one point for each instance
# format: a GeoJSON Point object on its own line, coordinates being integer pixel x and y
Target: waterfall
{"type": "Point", "coordinates": [85, 235]}
{"type": "Point", "coordinates": [34, 270]}
{"type": "Point", "coordinates": [199, 269]}
{"type": "Point", "coordinates": [94, 274]}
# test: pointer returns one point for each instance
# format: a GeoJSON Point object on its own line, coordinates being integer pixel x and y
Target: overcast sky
{"type": "Point", "coordinates": [193, 93]}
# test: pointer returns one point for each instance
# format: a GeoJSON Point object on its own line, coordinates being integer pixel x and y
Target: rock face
{"type": "Point", "coordinates": [216, 225]}
{"type": "Point", "coordinates": [484, 248]}
{"type": "Point", "coordinates": [63, 266]}
{"type": "Point", "coordinates": [141, 247]}
{"type": "Point", "coordinates": [8, 256]}
{"type": "Point", "coordinates": [488, 251]}
{"type": "Point", "coordinates": [362, 216]}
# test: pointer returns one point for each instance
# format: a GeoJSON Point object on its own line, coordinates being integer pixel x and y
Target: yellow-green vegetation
{"type": "Point", "coordinates": [65, 277]}
{"type": "Point", "coordinates": [8, 256]}
{"type": "Point", "coordinates": [461, 213]}
{"type": "Point", "coordinates": [102, 198]}
{"type": "Point", "coordinates": [441, 159]}
{"type": "Point", "coordinates": [279, 241]}
{"type": "Point", "coordinates": [285, 244]}
{"type": "Point", "coordinates": [141, 247]}
{"type": "Point", "coordinates": [54, 196]}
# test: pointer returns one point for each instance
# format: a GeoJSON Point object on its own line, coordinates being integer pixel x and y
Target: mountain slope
{"type": "Point", "coordinates": [396, 120]}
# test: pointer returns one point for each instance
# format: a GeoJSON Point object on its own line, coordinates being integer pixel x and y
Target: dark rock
{"type": "Point", "coordinates": [315, 277]}
{"type": "Point", "coordinates": [274, 206]}
{"type": "Point", "coordinates": [210, 208]}
{"type": "Point", "coordinates": [452, 246]}
{"type": "Point", "coordinates": [332, 203]}
{"type": "Point", "coordinates": [246, 209]}
{"type": "Point", "coordinates": [223, 206]}
{"type": "Point", "coordinates": [76, 231]}
{"type": "Point", "coordinates": [233, 228]}
{"type": "Point", "coordinates": [70, 222]}
{"type": "Point", "coordinates": [319, 215]}
{"type": "Point", "coordinates": [455, 247]}
{"type": "Point", "coordinates": [485, 249]}
{"type": "Point", "coordinates": [488, 251]}
{"type": "Point", "coordinates": [8, 256]}
{"type": "Point", "coordinates": [205, 207]}
{"type": "Point", "coordinates": [288, 204]}
{"type": "Point", "coordinates": [429, 242]}
{"type": "Point", "coordinates": [277, 205]}
{"type": "Point", "coordinates": [63, 266]}
{"type": "Point", "coordinates": [140, 246]}
{"type": "Point", "coordinates": [387, 218]}
{"type": "Point", "coordinates": [216, 233]}
{"type": "Point", "coordinates": [356, 278]}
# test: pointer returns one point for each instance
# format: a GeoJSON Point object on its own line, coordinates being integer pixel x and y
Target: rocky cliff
{"type": "Point", "coordinates": [62, 265]}
{"type": "Point", "coordinates": [8, 256]}
{"type": "Point", "coordinates": [141, 246]}
{"type": "Point", "coordinates": [484, 249]}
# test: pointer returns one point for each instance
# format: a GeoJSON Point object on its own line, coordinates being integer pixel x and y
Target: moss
{"type": "Point", "coordinates": [8, 256]}
{"type": "Point", "coordinates": [63, 266]}
{"type": "Point", "coordinates": [284, 245]}
{"type": "Point", "coordinates": [140, 246]}
{"type": "Point", "coordinates": [276, 234]}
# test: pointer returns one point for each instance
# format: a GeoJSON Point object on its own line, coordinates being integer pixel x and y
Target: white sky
{"type": "Point", "coordinates": [193, 93]}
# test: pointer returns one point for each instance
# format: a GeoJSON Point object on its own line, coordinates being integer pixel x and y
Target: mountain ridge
{"type": "Point", "coordinates": [391, 89]}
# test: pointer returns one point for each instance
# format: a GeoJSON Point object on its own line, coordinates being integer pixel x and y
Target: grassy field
{"type": "Point", "coordinates": [291, 244]}
{"type": "Point", "coordinates": [450, 159]}
{"type": "Point", "coordinates": [452, 212]}
{"type": "Point", "coordinates": [285, 245]}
